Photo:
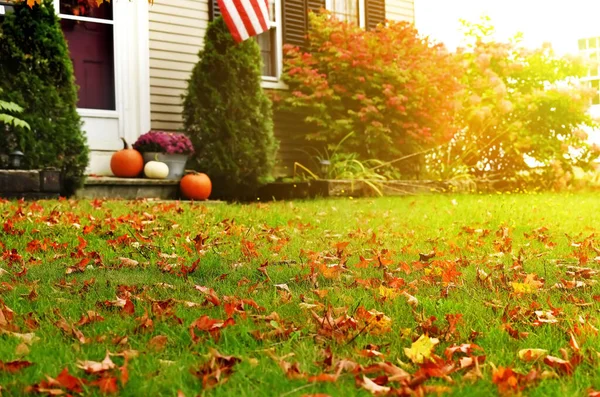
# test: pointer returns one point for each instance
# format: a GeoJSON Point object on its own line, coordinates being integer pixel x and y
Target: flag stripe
{"type": "Point", "coordinates": [233, 20]}
{"type": "Point", "coordinates": [254, 14]}
{"type": "Point", "coordinates": [264, 13]}
{"type": "Point", "coordinates": [245, 18]}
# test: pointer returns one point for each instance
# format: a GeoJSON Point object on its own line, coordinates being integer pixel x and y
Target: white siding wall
{"type": "Point", "coordinates": [176, 35]}
{"type": "Point", "coordinates": [400, 10]}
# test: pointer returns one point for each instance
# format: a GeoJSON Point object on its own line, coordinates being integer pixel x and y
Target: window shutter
{"type": "Point", "coordinates": [374, 13]}
{"type": "Point", "coordinates": [214, 11]}
{"type": "Point", "coordinates": [295, 19]}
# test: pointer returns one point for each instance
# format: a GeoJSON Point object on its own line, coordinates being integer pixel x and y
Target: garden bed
{"type": "Point", "coordinates": [349, 188]}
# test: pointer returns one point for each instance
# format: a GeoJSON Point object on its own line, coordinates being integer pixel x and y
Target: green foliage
{"type": "Point", "coordinates": [343, 165]}
{"type": "Point", "coordinates": [227, 114]}
{"type": "Point", "coordinates": [37, 73]}
{"type": "Point", "coordinates": [393, 90]}
{"type": "Point", "coordinates": [8, 119]}
{"type": "Point", "coordinates": [519, 107]}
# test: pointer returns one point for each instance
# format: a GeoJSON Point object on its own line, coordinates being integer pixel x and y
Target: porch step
{"type": "Point", "coordinates": [129, 188]}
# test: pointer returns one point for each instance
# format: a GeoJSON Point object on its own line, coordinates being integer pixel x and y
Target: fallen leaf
{"type": "Point", "coordinates": [420, 351]}
{"type": "Point", "coordinates": [371, 386]}
{"type": "Point", "coordinates": [14, 366]}
{"type": "Point", "coordinates": [529, 355]}
{"type": "Point", "coordinates": [158, 343]}
{"type": "Point", "coordinates": [94, 367]}
{"type": "Point", "coordinates": [106, 385]}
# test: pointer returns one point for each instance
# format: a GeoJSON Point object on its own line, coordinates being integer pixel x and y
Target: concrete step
{"type": "Point", "coordinates": [129, 188]}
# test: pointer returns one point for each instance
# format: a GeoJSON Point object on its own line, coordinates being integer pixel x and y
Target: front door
{"type": "Point", "coordinates": [109, 49]}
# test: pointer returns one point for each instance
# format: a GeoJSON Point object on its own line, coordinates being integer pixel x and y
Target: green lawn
{"type": "Point", "coordinates": [307, 297]}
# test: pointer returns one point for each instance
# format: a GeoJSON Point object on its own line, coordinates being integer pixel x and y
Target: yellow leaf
{"type": "Point", "coordinates": [390, 293]}
{"type": "Point", "coordinates": [529, 286]}
{"type": "Point", "coordinates": [421, 349]}
{"type": "Point", "coordinates": [529, 355]}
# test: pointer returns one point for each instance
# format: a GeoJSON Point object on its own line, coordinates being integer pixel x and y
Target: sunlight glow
{"type": "Point", "coordinates": [559, 22]}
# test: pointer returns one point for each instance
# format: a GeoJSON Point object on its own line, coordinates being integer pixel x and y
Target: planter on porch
{"type": "Point", "coordinates": [176, 162]}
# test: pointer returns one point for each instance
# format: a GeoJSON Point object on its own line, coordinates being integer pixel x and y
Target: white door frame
{"type": "Point", "coordinates": [131, 116]}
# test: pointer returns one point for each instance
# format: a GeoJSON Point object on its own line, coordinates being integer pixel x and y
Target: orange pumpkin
{"type": "Point", "coordinates": [196, 186]}
{"type": "Point", "coordinates": [126, 163]}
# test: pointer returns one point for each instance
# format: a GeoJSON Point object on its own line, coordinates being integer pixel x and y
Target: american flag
{"type": "Point", "coordinates": [245, 18]}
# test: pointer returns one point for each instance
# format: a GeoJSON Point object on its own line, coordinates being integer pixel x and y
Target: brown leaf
{"type": "Point", "coordinates": [371, 386]}
{"type": "Point", "coordinates": [94, 367]}
{"type": "Point", "coordinates": [158, 343]}
{"type": "Point", "coordinates": [89, 317]}
{"type": "Point", "coordinates": [216, 370]}
{"type": "Point", "coordinates": [126, 262]}
{"type": "Point", "coordinates": [426, 257]}
{"type": "Point", "coordinates": [561, 366]}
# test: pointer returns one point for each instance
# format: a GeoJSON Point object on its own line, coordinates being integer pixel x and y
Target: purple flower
{"type": "Point", "coordinates": [164, 142]}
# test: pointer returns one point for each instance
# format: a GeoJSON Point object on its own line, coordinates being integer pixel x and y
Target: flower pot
{"type": "Point", "coordinates": [176, 162]}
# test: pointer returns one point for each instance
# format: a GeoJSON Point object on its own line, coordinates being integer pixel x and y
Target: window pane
{"type": "Point", "coordinates": [582, 44]}
{"type": "Point", "coordinates": [272, 11]}
{"type": "Point", "coordinates": [268, 43]}
{"type": "Point", "coordinates": [87, 8]}
{"type": "Point", "coordinates": [92, 53]}
{"type": "Point", "coordinates": [592, 43]}
{"type": "Point", "coordinates": [346, 10]}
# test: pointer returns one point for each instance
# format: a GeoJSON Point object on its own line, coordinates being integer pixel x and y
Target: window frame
{"type": "Point", "coordinates": [361, 11]}
{"type": "Point", "coordinates": [91, 112]}
{"type": "Point", "coordinates": [587, 54]}
{"type": "Point", "coordinates": [275, 81]}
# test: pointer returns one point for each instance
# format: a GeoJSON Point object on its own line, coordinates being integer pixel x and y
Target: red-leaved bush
{"type": "Point", "coordinates": [392, 90]}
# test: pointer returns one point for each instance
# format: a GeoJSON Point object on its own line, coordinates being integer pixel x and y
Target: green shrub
{"type": "Point", "coordinates": [37, 73]}
{"type": "Point", "coordinates": [228, 116]}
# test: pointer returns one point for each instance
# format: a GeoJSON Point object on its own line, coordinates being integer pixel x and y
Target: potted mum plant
{"type": "Point", "coordinates": [170, 148]}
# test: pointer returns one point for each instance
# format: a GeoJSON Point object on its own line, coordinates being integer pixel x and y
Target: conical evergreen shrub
{"type": "Point", "coordinates": [228, 115]}
{"type": "Point", "coordinates": [37, 73]}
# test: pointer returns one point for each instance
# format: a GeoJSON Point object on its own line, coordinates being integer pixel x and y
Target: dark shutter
{"type": "Point", "coordinates": [374, 13]}
{"type": "Point", "coordinates": [214, 11]}
{"type": "Point", "coordinates": [295, 19]}
{"type": "Point", "coordinates": [315, 5]}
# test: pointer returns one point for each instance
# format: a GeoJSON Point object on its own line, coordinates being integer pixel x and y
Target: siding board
{"type": "Point", "coordinates": [177, 30]}
{"type": "Point", "coordinates": [400, 10]}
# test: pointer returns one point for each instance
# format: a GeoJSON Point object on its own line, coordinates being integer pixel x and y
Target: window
{"type": "Point", "coordinates": [89, 30]}
{"type": "Point", "coordinates": [595, 84]}
{"type": "Point", "coordinates": [347, 10]}
{"type": "Point", "coordinates": [270, 43]}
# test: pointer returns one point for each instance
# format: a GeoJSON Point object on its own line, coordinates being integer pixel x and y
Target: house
{"type": "Point", "coordinates": [589, 48]}
{"type": "Point", "coordinates": [132, 59]}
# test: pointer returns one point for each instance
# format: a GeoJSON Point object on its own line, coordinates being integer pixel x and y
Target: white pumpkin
{"type": "Point", "coordinates": [156, 170]}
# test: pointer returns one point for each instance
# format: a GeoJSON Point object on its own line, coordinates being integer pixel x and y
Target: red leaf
{"type": "Point", "coordinates": [107, 385]}
{"type": "Point", "coordinates": [69, 382]}
{"type": "Point", "coordinates": [14, 366]}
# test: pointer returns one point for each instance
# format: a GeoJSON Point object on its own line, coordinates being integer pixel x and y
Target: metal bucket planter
{"type": "Point", "coordinates": [176, 162]}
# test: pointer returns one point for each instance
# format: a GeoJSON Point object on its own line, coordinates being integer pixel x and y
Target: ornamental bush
{"type": "Point", "coordinates": [521, 108]}
{"type": "Point", "coordinates": [37, 73]}
{"type": "Point", "coordinates": [228, 116]}
{"type": "Point", "coordinates": [393, 90]}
